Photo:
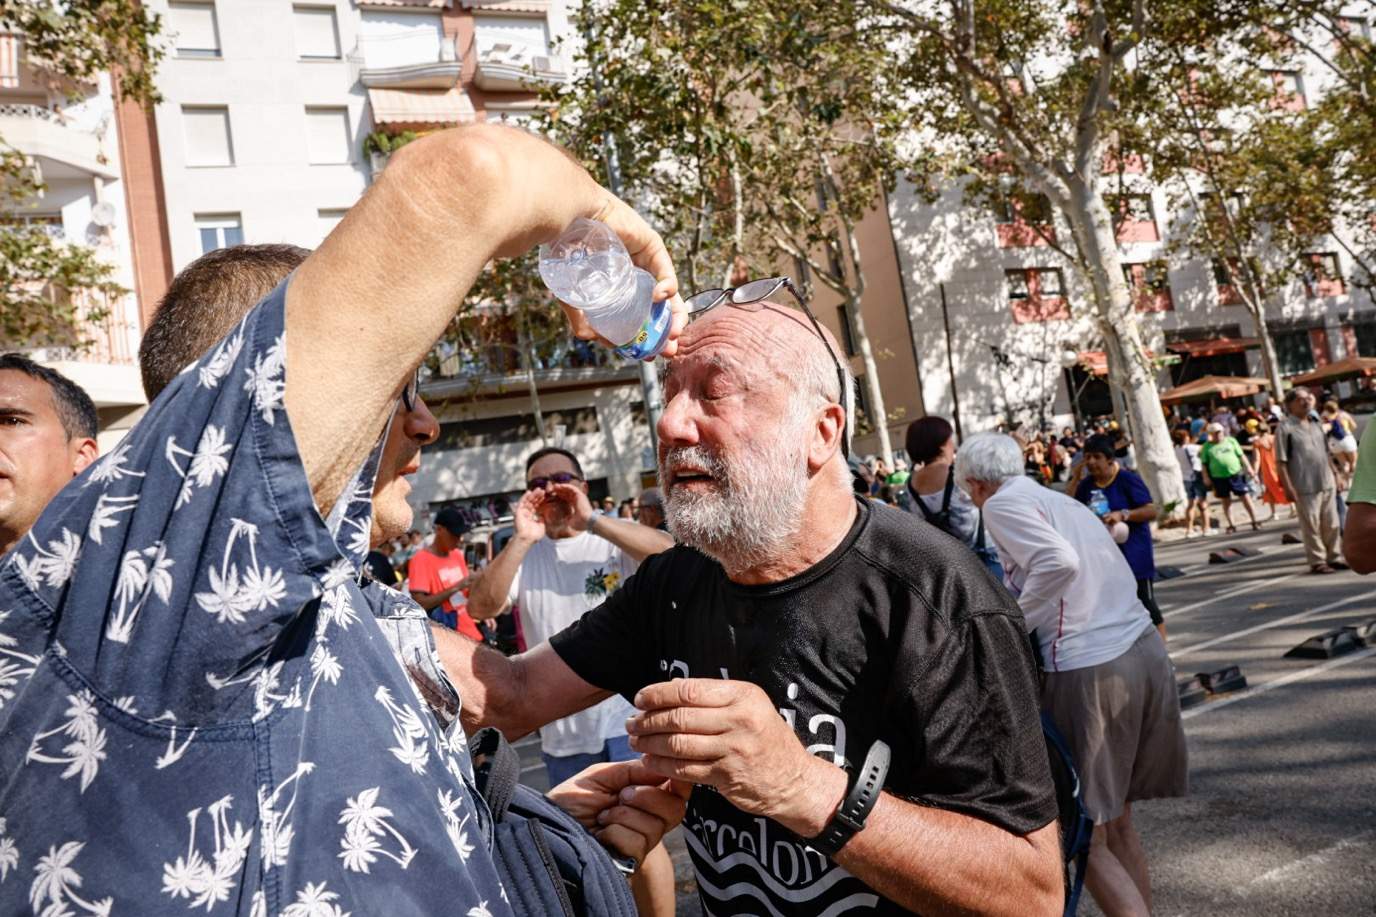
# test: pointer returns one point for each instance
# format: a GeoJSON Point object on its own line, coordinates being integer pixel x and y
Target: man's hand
{"type": "Point", "coordinates": [627, 807]}
{"type": "Point", "coordinates": [728, 735]}
{"type": "Point", "coordinates": [529, 527]}
{"type": "Point", "coordinates": [577, 500]}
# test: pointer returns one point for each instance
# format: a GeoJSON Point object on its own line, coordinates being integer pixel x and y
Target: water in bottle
{"type": "Point", "coordinates": [1098, 503]}
{"type": "Point", "coordinates": [588, 267]}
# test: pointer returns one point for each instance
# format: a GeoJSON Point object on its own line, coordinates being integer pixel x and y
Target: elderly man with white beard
{"type": "Point", "coordinates": [852, 696]}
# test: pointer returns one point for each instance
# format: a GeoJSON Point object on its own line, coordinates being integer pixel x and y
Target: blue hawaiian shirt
{"type": "Point", "coordinates": [201, 707]}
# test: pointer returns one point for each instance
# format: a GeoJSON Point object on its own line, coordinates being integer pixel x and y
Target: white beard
{"type": "Point", "coordinates": [754, 513]}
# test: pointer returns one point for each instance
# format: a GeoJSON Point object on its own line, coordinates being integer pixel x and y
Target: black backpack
{"type": "Point", "coordinates": [550, 865]}
{"type": "Point", "coordinates": [942, 518]}
{"type": "Point", "coordinates": [1076, 825]}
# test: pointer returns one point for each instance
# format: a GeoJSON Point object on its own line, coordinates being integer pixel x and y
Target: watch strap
{"type": "Point", "coordinates": [859, 802]}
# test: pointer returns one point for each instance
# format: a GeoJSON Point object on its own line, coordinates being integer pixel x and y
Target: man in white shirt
{"type": "Point", "coordinates": [1109, 685]}
{"type": "Point", "coordinates": [563, 561]}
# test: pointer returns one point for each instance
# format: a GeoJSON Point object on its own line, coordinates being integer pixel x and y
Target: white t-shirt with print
{"type": "Point", "coordinates": [559, 581]}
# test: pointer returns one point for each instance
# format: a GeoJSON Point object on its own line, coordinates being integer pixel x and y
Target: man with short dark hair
{"type": "Point", "coordinates": [564, 560]}
{"type": "Point", "coordinates": [438, 573]}
{"type": "Point", "coordinates": [47, 437]}
{"type": "Point", "coordinates": [1302, 459]}
{"type": "Point", "coordinates": [205, 300]}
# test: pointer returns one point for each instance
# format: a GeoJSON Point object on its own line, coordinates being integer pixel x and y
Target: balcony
{"type": "Point", "coordinates": [409, 61]}
{"type": "Point", "coordinates": [512, 66]}
{"type": "Point", "coordinates": [61, 150]}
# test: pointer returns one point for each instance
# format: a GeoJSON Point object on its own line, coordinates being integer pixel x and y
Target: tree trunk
{"type": "Point", "coordinates": [1129, 370]}
{"type": "Point", "coordinates": [874, 395]}
{"type": "Point", "coordinates": [528, 364]}
{"type": "Point", "coordinates": [1269, 364]}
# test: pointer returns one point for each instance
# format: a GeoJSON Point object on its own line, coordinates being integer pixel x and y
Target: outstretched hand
{"type": "Point", "coordinates": [625, 805]}
{"type": "Point", "coordinates": [526, 518]}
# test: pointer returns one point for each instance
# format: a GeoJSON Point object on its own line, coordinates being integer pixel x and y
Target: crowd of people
{"type": "Point", "coordinates": [232, 672]}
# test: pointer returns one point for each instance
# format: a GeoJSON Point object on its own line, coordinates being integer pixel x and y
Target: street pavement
{"type": "Point", "coordinates": [1281, 817]}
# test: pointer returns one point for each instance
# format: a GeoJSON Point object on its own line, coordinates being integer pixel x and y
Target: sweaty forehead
{"type": "Point", "coordinates": [749, 343]}
{"type": "Point", "coordinates": [20, 392]}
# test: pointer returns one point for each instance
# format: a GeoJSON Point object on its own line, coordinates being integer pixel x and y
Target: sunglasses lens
{"type": "Point", "coordinates": [537, 483]}
{"type": "Point", "coordinates": [699, 301]}
{"type": "Point", "coordinates": [755, 292]}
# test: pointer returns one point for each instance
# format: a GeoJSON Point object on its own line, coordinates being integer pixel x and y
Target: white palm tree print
{"type": "Point", "coordinates": [408, 730]}
{"type": "Point", "coordinates": [51, 567]}
{"type": "Point", "coordinates": [174, 752]}
{"type": "Point", "coordinates": [15, 666]}
{"type": "Point", "coordinates": [9, 853]}
{"type": "Point", "coordinates": [85, 751]}
{"type": "Point", "coordinates": [111, 467]}
{"type": "Point", "coordinates": [207, 882]}
{"type": "Point", "coordinates": [55, 883]}
{"type": "Point", "coordinates": [454, 825]}
{"type": "Point", "coordinates": [365, 827]}
{"type": "Point", "coordinates": [276, 825]}
{"type": "Point", "coordinates": [207, 463]}
{"type": "Point", "coordinates": [266, 381]}
{"type": "Point", "coordinates": [324, 667]}
{"type": "Point", "coordinates": [106, 514]}
{"type": "Point", "coordinates": [315, 900]}
{"type": "Point", "coordinates": [231, 596]}
{"type": "Point", "coordinates": [267, 697]}
{"type": "Point", "coordinates": [213, 370]}
{"type": "Point", "coordinates": [337, 608]}
{"type": "Point", "coordinates": [480, 910]}
{"type": "Point", "coordinates": [141, 574]}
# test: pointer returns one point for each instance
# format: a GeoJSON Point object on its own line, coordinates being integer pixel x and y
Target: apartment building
{"type": "Point", "coordinates": [73, 147]}
{"type": "Point", "coordinates": [1003, 326]}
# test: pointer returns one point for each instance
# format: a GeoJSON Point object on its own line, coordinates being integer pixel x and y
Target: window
{"type": "Point", "coordinates": [527, 33]}
{"type": "Point", "coordinates": [1024, 220]}
{"type": "Point", "coordinates": [847, 335]}
{"type": "Point", "coordinates": [1322, 275]}
{"type": "Point", "coordinates": [328, 219]}
{"type": "Point", "coordinates": [1149, 283]}
{"type": "Point", "coordinates": [194, 29]}
{"type": "Point", "coordinates": [208, 141]}
{"type": "Point", "coordinates": [1289, 89]}
{"type": "Point", "coordinates": [1365, 335]}
{"type": "Point", "coordinates": [1134, 217]}
{"type": "Point", "coordinates": [1036, 295]}
{"type": "Point", "coordinates": [327, 135]}
{"type": "Point", "coordinates": [1294, 352]}
{"type": "Point", "coordinates": [392, 38]}
{"type": "Point", "coordinates": [317, 37]}
{"type": "Point", "coordinates": [513, 428]}
{"type": "Point", "coordinates": [219, 230]}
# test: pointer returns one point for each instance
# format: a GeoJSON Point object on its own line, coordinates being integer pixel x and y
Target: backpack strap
{"type": "Point", "coordinates": [497, 769]}
{"type": "Point", "coordinates": [937, 518]}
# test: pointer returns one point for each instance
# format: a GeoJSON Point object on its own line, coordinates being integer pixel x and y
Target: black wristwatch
{"type": "Point", "coordinates": [859, 802]}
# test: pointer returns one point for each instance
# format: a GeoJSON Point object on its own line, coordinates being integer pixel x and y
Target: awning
{"type": "Point", "coordinates": [1094, 362]}
{"type": "Point", "coordinates": [540, 7]}
{"type": "Point", "coordinates": [415, 4]}
{"type": "Point", "coordinates": [421, 106]}
{"type": "Point", "coordinates": [1350, 368]}
{"type": "Point", "coordinates": [1212, 346]}
{"type": "Point", "coordinates": [1207, 388]}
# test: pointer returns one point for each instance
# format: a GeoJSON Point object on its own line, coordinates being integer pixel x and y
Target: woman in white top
{"type": "Point", "coordinates": [1192, 473]}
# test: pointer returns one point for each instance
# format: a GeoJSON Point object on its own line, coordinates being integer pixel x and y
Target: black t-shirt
{"type": "Point", "coordinates": [899, 634]}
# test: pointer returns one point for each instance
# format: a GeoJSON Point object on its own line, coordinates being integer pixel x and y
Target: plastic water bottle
{"type": "Point", "coordinates": [588, 267]}
{"type": "Point", "coordinates": [1098, 503]}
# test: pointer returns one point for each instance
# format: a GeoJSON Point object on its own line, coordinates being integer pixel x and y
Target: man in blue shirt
{"type": "Point", "coordinates": [1118, 494]}
{"type": "Point", "coordinates": [201, 703]}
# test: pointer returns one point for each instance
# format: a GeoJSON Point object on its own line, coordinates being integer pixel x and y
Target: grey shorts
{"type": "Point", "coordinates": [1122, 720]}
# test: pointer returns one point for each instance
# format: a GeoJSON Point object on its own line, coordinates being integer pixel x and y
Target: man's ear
{"type": "Point", "coordinates": [826, 440]}
{"type": "Point", "coordinates": [85, 453]}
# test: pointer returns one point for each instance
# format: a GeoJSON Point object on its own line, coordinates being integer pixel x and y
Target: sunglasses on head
{"type": "Point", "coordinates": [751, 297]}
{"type": "Point", "coordinates": [559, 477]}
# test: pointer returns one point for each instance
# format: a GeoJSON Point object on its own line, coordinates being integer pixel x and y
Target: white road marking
{"type": "Point", "coordinates": [1304, 864]}
{"type": "Point", "coordinates": [1291, 619]}
{"type": "Point", "coordinates": [1249, 587]}
{"type": "Point", "coordinates": [1278, 683]}
{"type": "Point", "coordinates": [532, 767]}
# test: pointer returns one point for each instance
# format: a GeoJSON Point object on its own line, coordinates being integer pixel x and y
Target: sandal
{"type": "Point", "coordinates": [1322, 568]}
{"type": "Point", "coordinates": [1231, 530]}
{"type": "Point", "coordinates": [1256, 526]}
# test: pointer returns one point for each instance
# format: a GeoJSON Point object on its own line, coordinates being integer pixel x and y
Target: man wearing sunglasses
{"type": "Point", "coordinates": [799, 650]}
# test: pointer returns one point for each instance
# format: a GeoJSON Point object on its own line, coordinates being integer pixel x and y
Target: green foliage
{"type": "Point", "coordinates": [383, 143]}
{"type": "Point", "coordinates": [44, 281]}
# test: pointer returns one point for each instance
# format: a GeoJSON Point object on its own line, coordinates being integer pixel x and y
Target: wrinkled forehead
{"type": "Point", "coordinates": [751, 345]}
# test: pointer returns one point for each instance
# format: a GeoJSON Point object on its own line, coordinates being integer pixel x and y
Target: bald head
{"type": "Point", "coordinates": [772, 342]}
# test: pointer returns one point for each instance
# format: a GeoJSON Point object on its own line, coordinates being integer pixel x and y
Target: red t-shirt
{"type": "Point", "coordinates": [430, 573]}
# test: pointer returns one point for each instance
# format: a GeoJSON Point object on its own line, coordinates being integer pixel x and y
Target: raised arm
{"type": "Point", "coordinates": [489, 597]}
{"type": "Point", "coordinates": [638, 541]}
{"type": "Point", "coordinates": [367, 306]}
